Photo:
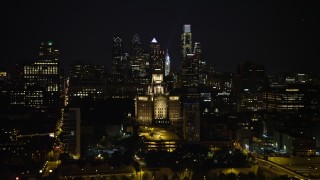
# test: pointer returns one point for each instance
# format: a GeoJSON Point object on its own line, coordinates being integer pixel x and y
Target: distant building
{"type": "Point", "coordinates": [32, 98]}
{"type": "Point", "coordinates": [157, 106]}
{"type": "Point", "coordinates": [248, 101]}
{"type": "Point", "coordinates": [191, 122]}
{"type": "Point", "coordinates": [71, 131]}
{"type": "Point", "coordinates": [220, 85]}
{"type": "Point", "coordinates": [87, 81]}
{"type": "Point", "coordinates": [190, 59]}
{"type": "Point", "coordinates": [167, 63]}
{"type": "Point", "coordinates": [203, 70]}
{"type": "Point", "coordinates": [4, 87]}
{"type": "Point", "coordinates": [250, 77]}
{"type": "Point", "coordinates": [139, 59]}
{"type": "Point", "coordinates": [292, 97]}
{"type": "Point", "coordinates": [41, 84]}
{"type": "Point", "coordinates": [294, 143]}
{"type": "Point", "coordinates": [120, 64]}
{"type": "Point", "coordinates": [157, 58]}
{"type": "Point", "coordinates": [186, 39]}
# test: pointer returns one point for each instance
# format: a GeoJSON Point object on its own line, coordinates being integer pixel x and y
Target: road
{"type": "Point", "coordinates": [279, 170]}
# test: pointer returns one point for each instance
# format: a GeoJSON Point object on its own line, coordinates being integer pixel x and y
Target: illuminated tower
{"type": "Point", "coordinates": [186, 40]}
{"type": "Point", "coordinates": [119, 68]}
{"type": "Point", "coordinates": [167, 64]}
{"type": "Point", "coordinates": [203, 69]}
{"type": "Point", "coordinates": [135, 56]}
{"type": "Point", "coordinates": [157, 106]}
{"type": "Point", "coordinates": [190, 62]}
{"type": "Point", "coordinates": [138, 59]}
{"type": "Point", "coordinates": [156, 57]}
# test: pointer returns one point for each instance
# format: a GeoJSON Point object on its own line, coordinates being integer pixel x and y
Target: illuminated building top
{"type": "Point", "coordinates": [167, 63]}
{"type": "Point", "coordinates": [187, 28]}
{"type": "Point", "coordinates": [135, 39]}
{"type": "Point", "coordinates": [154, 40]}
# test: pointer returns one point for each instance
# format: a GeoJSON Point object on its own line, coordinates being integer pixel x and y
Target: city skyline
{"type": "Point", "coordinates": [277, 35]}
{"type": "Point", "coordinates": [159, 90]}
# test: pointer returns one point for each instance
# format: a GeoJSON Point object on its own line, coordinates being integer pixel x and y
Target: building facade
{"type": "Point", "coordinates": [87, 81]}
{"type": "Point", "coordinates": [71, 131]}
{"type": "Point", "coordinates": [191, 122]}
{"type": "Point", "coordinates": [157, 106]}
{"type": "Point", "coordinates": [40, 82]}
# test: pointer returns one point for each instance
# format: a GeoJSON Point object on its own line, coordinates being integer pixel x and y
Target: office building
{"type": "Point", "coordinates": [157, 57]}
{"type": "Point", "coordinates": [39, 84]}
{"type": "Point", "coordinates": [191, 122]}
{"type": "Point", "coordinates": [71, 131]}
{"type": "Point", "coordinates": [87, 81]}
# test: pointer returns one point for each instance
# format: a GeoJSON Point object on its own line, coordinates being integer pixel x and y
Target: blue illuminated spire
{"type": "Point", "coordinates": [167, 64]}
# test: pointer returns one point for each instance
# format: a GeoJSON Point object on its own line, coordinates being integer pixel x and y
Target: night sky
{"type": "Point", "coordinates": [282, 35]}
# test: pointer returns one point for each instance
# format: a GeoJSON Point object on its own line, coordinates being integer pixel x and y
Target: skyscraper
{"type": "Point", "coordinates": [138, 59]}
{"type": "Point", "coordinates": [44, 75]}
{"type": "Point", "coordinates": [120, 65]}
{"type": "Point", "coordinates": [186, 39]}
{"type": "Point", "coordinates": [156, 57]}
{"type": "Point", "coordinates": [190, 62]}
{"type": "Point", "coordinates": [167, 64]}
{"type": "Point", "coordinates": [201, 64]}
{"type": "Point", "coordinates": [136, 55]}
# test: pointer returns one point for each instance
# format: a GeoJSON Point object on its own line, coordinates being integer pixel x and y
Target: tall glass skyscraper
{"type": "Point", "coordinates": [156, 57]}
{"type": "Point", "coordinates": [190, 62]}
{"type": "Point", "coordinates": [186, 39]}
{"type": "Point", "coordinates": [120, 64]}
